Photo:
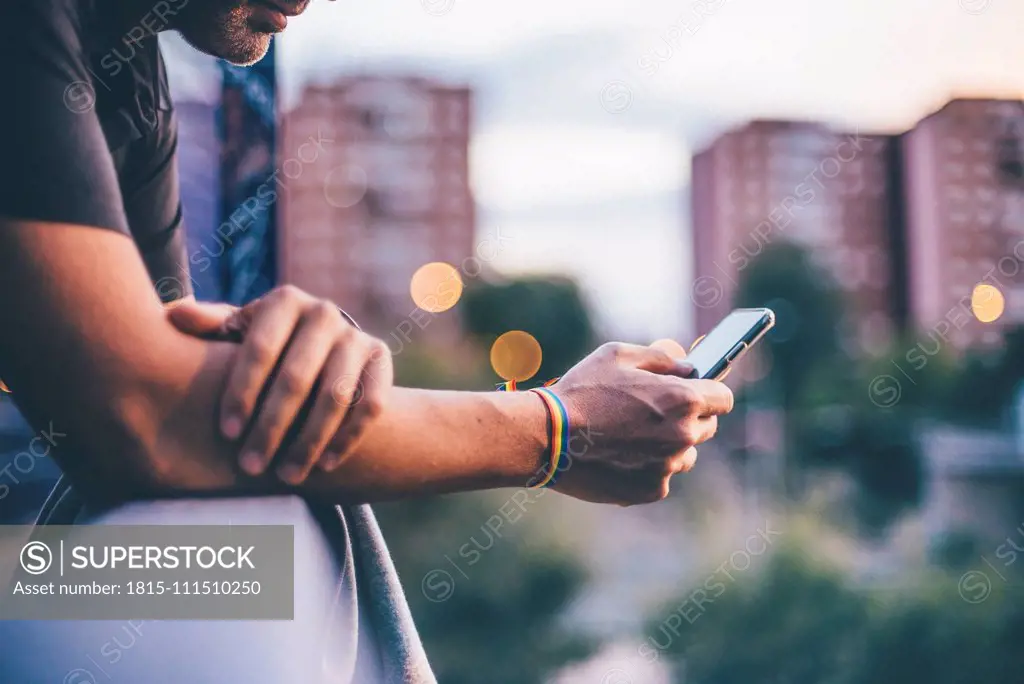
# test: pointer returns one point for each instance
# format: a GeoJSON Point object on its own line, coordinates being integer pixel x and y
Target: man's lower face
{"type": "Point", "coordinates": [235, 31]}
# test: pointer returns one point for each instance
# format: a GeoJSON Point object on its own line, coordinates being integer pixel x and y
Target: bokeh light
{"type": "Point", "coordinates": [436, 287]}
{"type": "Point", "coordinates": [345, 186]}
{"type": "Point", "coordinates": [4, 387]}
{"type": "Point", "coordinates": [755, 365]}
{"type": "Point", "coordinates": [987, 302]}
{"type": "Point", "coordinates": [516, 355]}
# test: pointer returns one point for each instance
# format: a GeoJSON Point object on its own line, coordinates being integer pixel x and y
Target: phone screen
{"type": "Point", "coordinates": [729, 340]}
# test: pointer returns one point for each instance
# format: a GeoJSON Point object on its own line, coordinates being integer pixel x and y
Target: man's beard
{"type": "Point", "coordinates": [223, 31]}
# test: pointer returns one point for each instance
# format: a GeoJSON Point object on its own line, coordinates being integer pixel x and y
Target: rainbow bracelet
{"type": "Point", "coordinates": [510, 386]}
{"type": "Point", "coordinates": [558, 434]}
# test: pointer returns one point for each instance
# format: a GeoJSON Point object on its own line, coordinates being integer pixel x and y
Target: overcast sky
{"type": "Point", "coordinates": [584, 134]}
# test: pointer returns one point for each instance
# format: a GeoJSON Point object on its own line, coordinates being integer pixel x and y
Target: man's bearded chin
{"type": "Point", "coordinates": [223, 32]}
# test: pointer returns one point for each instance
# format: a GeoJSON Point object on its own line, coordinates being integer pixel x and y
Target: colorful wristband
{"type": "Point", "coordinates": [511, 386]}
{"type": "Point", "coordinates": [558, 434]}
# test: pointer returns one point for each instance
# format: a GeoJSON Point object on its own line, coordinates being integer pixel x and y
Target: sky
{"type": "Point", "coordinates": [587, 113]}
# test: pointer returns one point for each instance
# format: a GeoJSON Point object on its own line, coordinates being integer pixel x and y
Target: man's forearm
{"type": "Point", "coordinates": [86, 346]}
{"type": "Point", "coordinates": [424, 441]}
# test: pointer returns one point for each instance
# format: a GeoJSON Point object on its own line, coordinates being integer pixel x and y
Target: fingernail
{"type": "Point", "coordinates": [252, 462]}
{"type": "Point", "coordinates": [290, 473]}
{"type": "Point", "coordinates": [231, 427]}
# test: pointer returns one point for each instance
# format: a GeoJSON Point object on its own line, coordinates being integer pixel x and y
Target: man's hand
{"type": "Point", "coordinates": [644, 418]}
{"type": "Point", "coordinates": [298, 353]}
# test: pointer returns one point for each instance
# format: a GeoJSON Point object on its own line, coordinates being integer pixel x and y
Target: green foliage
{"type": "Point", "coordinates": [419, 366]}
{"type": "Point", "coordinates": [808, 315]}
{"type": "Point", "coordinates": [835, 415]}
{"type": "Point", "coordinates": [877, 449]}
{"type": "Point", "coordinates": [922, 370]}
{"type": "Point", "coordinates": [986, 383]}
{"type": "Point", "coordinates": [935, 636]}
{"type": "Point", "coordinates": [799, 622]}
{"type": "Point", "coordinates": [769, 628]}
{"type": "Point", "coordinates": [487, 597]}
{"type": "Point", "coordinates": [550, 309]}
{"type": "Point", "coordinates": [956, 550]}
{"type": "Point", "coordinates": [487, 600]}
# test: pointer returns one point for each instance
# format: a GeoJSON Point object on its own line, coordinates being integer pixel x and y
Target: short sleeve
{"type": "Point", "coordinates": [57, 166]}
{"type": "Point", "coordinates": [152, 203]}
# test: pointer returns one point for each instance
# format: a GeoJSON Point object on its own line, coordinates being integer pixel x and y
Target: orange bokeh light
{"type": "Point", "coordinates": [987, 302]}
{"type": "Point", "coordinates": [436, 287]}
{"type": "Point", "coordinates": [516, 355]}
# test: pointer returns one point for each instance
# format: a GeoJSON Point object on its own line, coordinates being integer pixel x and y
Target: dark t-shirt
{"type": "Point", "coordinates": [87, 136]}
{"type": "Point", "coordinates": [87, 131]}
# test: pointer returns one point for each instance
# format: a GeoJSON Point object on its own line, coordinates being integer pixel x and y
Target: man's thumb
{"type": "Point", "coordinates": [202, 319]}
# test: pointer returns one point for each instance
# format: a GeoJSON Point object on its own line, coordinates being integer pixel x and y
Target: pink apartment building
{"type": "Point", "coordinates": [964, 168]}
{"type": "Point", "coordinates": [388, 193]}
{"type": "Point", "coordinates": [831, 192]}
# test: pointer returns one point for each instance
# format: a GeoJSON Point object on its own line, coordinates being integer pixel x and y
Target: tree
{"type": "Point", "coordinates": [839, 411]}
{"type": "Point", "coordinates": [800, 621]}
{"type": "Point", "coordinates": [808, 312]}
{"type": "Point", "coordinates": [487, 591]}
{"type": "Point", "coordinates": [986, 383]}
{"type": "Point", "coordinates": [487, 597]}
{"type": "Point", "coordinates": [550, 309]}
{"type": "Point", "coordinates": [794, 623]}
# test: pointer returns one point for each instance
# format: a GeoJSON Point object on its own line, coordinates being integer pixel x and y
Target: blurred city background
{"type": "Point", "coordinates": [496, 189]}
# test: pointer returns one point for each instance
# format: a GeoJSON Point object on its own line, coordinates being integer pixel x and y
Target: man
{"type": "Point", "coordinates": [169, 417]}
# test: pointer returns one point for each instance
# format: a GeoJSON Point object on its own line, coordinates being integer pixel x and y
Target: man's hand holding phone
{"type": "Point", "coordinates": [644, 416]}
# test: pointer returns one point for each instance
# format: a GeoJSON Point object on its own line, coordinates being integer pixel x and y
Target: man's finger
{"type": "Point", "coordinates": [684, 461]}
{"type": "Point", "coordinates": [368, 398]}
{"type": "Point", "coordinates": [717, 399]}
{"type": "Point", "coordinates": [649, 359]}
{"type": "Point", "coordinates": [261, 349]}
{"type": "Point", "coordinates": [325, 418]}
{"type": "Point", "coordinates": [201, 318]}
{"type": "Point", "coordinates": [670, 347]}
{"type": "Point", "coordinates": [702, 429]}
{"type": "Point", "coordinates": [290, 389]}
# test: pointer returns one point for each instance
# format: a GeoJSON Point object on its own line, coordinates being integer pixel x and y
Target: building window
{"type": "Point", "coordinates": [955, 170]}
{"type": "Point", "coordinates": [1010, 156]}
{"type": "Point", "coordinates": [372, 120]}
{"type": "Point", "coordinates": [374, 202]}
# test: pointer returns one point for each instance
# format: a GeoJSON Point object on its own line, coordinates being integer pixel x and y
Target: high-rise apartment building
{"type": "Point", "coordinates": [383, 191]}
{"type": "Point", "coordinates": [830, 192]}
{"type": "Point", "coordinates": [964, 168]}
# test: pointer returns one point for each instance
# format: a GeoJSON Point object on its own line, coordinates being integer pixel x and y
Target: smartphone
{"type": "Point", "coordinates": [715, 353]}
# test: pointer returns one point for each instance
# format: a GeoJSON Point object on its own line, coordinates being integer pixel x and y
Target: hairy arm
{"type": "Point", "coordinates": [85, 344]}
